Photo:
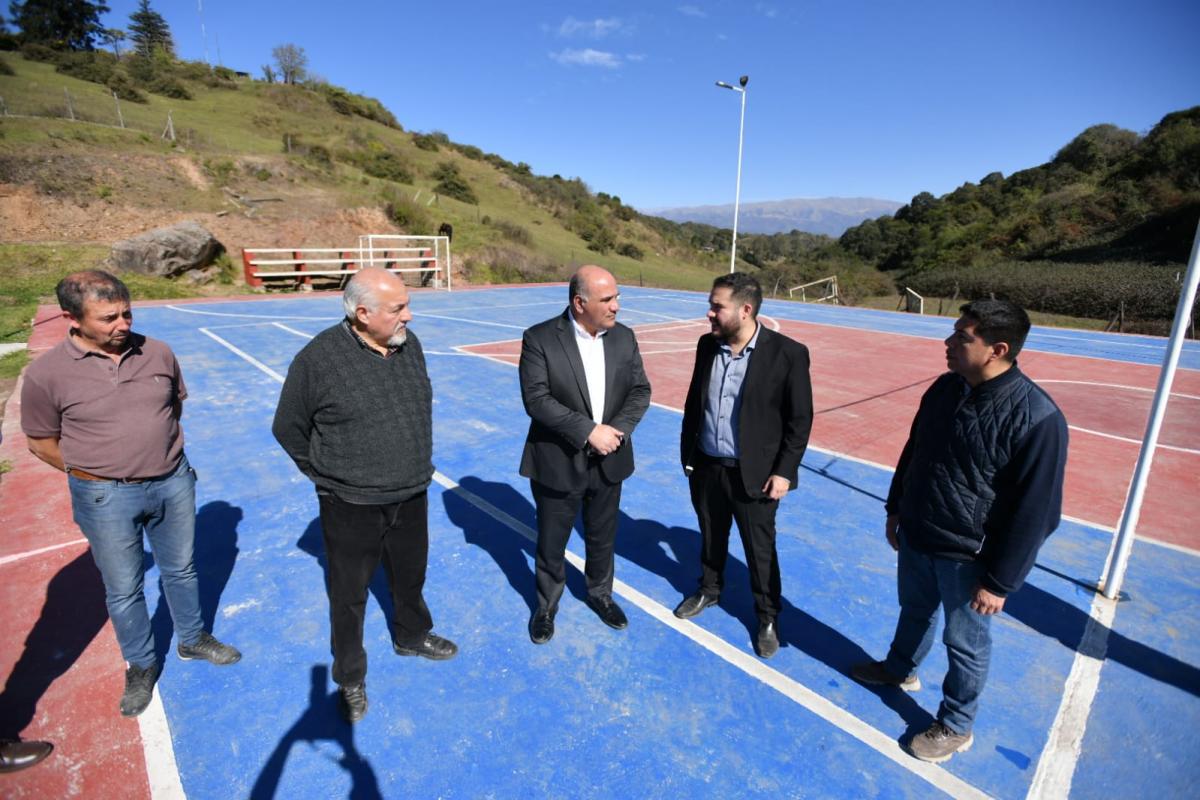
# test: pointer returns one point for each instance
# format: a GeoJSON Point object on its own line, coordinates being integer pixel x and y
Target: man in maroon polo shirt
{"type": "Point", "coordinates": [104, 407]}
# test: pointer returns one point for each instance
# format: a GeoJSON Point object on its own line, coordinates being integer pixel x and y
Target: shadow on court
{"type": "Point", "coordinates": [320, 722]}
{"type": "Point", "coordinates": [312, 541]}
{"type": "Point", "coordinates": [647, 544]}
{"type": "Point", "coordinates": [72, 615]}
{"type": "Point", "coordinates": [215, 553]}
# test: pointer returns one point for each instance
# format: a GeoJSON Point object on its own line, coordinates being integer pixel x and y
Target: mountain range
{"type": "Point", "coordinates": [828, 215]}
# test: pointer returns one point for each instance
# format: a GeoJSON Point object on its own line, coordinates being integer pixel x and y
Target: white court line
{"type": "Point", "coordinates": [794, 690]}
{"type": "Point", "coordinates": [243, 354]}
{"type": "Point", "coordinates": [31, 553]}
{"type": "Point", "coordinates": [283, 327]}
{"type": "Point", "coordinates": [469, 321]}
{"type": "Point", "coordinates": [1159, 446]}
{"type": "Point", "coordinates": [162, 771]}
{"type": "Point", "coordinates": [1118, 386]}
{"type": "Point", "coordinates": [244, 316]}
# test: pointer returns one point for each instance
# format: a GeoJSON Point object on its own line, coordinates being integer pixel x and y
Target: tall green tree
{"type": "Point", "coordinates": [149, 31]}
{"type": "Point", "coordinates": [71, 24]}
{"type": "Point", "coordinates": [292, 62]}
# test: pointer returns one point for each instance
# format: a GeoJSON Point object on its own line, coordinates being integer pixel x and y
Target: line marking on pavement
{"type": "Point", "coordinates": [31, 553]}
{"type": "Point", "coordinates": [1138, 442]}
{"type": "Point", "coordinates": [751, 665]}
{"type": "Point", "coordinates": [243, 354]}
{"type": "Point", "coordinates": [247, 316]}
{"type": "Point", "coordinates": [161, 768]}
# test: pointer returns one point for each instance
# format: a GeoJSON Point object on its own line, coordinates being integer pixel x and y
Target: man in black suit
{"type": "Point", "coordinates": [584, 389]}
{"type": "Point", "coordinates": [746, 422]}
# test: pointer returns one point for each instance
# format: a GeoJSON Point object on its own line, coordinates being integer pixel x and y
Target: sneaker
{"type": "Point", "coordinates": [428, 646]}
{"type": "Point", "coordinates": [139, 688]}
{"type": "Point", "coordinates": [873, 673]}
{"type": "Point", "coordinates": [209, 649]}
{"type": "Point", "coordinates": [352, 699]}
{"type": "Point", "coordinates": [939, 743]}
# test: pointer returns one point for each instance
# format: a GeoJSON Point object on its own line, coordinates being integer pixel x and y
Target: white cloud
{"type": "Point", "coordinates": [591, 28]}
{"type": "Point", "coordinates": [636, 57]}
{"type": "Point", "coordinates": [587, 57]}
{"type": "Point", "coordinates": [692, 11]}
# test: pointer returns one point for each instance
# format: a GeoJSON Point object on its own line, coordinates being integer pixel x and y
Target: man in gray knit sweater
{"type": "Point", "coordinates": [355, 414]}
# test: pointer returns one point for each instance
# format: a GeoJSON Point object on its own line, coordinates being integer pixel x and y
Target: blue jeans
{"type": "Point", "coordinates": [926, 582]}
{"type": "Point", "coordinates": [112, 515]}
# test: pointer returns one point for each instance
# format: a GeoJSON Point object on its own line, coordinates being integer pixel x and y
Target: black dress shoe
{"type": "Point", "coordinates": [766, 643]}
{"type": "Point", "coordinates": [541, 626]}
{"type": "Point", "coordinates": [352, 699]}
{"type": "Point", "coordinates": [693, 605]}
{"type": "Point", "coordinates": [429, 646]}
{"type": "Point", "coordinates": [609, 612]}
{"type": "Point", "coordinates": [15, 755]}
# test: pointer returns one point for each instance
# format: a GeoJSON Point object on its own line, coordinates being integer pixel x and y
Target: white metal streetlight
{"type": "Point", "coordinates": [737, 194]}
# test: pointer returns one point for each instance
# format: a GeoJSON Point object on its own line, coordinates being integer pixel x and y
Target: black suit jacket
{"type": "Point", "coordinates": [554, 390]}
{"type": "Point", "coordinates": [776, 413]}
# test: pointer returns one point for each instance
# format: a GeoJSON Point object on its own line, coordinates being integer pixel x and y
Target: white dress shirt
{"type": "Point", "coordinates": [591, 350]}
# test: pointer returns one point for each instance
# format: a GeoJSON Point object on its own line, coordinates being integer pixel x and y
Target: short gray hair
{"type": "Point", "coordinates": [358, 293]}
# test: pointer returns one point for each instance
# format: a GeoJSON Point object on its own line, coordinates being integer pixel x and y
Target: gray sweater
{"type": "Point", "coordinates": [356, 423]}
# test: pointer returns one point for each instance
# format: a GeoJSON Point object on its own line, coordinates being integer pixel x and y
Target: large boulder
{"type": "Point", "coordinates": [169, 252]}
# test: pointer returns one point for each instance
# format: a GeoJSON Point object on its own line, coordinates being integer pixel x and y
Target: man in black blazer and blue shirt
{"type": "Point", "coordinates": [585, 391]}
{"type": "Point", "coordinates": [746, 423]}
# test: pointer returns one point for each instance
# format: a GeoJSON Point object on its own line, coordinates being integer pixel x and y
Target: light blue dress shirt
{"type": "Point", "coordinates": [719, 434]}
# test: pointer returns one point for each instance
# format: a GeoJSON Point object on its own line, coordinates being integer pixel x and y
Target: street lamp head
{"type": "Point", "coordinates": [724, 85]}
{"type": "Point", "coordinates": [744, 80]}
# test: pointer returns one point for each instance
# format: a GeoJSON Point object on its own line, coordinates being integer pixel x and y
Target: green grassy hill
{"type": "Point", "coordinates": [246, 140]}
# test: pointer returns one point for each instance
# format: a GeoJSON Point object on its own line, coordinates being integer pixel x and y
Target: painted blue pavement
{"type": "Point", "coordinates": [648, 711]}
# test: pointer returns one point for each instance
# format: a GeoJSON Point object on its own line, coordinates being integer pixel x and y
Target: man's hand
{"type": "Point", "coordinates": [776, 487]}
{"type": "Point", "coordinates": [605, 439]}
{"type": "Point", "coordinates": [47, 450]}
{"type": "Point", "coordinates": [986, 603]}
{"type": "Point", "coordinates": [889, 530]}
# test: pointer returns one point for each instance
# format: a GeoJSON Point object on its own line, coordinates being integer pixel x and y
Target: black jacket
{"type": "Point", "coordinates": [554, 390]}
{"type": "Point", "coordinates": [776, 412]}
{"type": "Point", "coordinates": [981, 476]}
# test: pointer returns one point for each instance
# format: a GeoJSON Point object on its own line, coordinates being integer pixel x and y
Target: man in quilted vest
{"type": "Point", "coordinates": [977, 491]}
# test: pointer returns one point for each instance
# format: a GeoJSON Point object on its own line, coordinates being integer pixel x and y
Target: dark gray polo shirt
{"type": "Point", "coordinates": [117, 420]}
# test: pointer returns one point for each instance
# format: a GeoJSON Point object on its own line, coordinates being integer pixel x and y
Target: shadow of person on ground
{"type": "Point", "coordinates": [672, 553]}
{"type": "Point", "coordinates": [214, 554]}
{"type": "Point", "coordinates": [321, 721]}
{"type": "Point", "coordinates": [312, 541]}
{"type": "Point", "coordinates": [73, 613]}
{"type": "Point", "coordinates": [511, 549]}
{"type": "Point", "coordinates": [1058, 619]}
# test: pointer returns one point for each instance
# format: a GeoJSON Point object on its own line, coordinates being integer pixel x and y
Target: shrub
{"type": "Point", "coordinates": [630, 250]}
{"type": "Point", "coordinates": [410, 217]}
{"type": "Point", "coordinates": [386, 165]}
{"type": "Point", "coordinates": [510, 265]}
{"type": "Point", "coordinates": [512, 231]}
{"type": "Point", "coordinates": [120, 83]}
{"type": "Point", "coordinates": [5, 69]}
{"type": "Point", "coordinates": [424, 141]}
{"type": "Point", "coordinates": [452, 184]}
{"type": "Point", "coordinates": [221, 169]}
{"type": "Point", "coordinates": [40, 52]}
{"type": "Point", "coordinates": [168, 86]}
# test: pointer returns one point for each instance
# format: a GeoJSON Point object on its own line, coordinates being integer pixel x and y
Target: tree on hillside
{"type": "Point", "coordinates": [291, 61]}
{"type": "Point", "coordinates": [113, 38]}
{"type": "Point", "coordinates": [268, 73]}
{"type": "Point", "coordinates": [149, 31]}
{"type": "Point", "coordinates": [73, 24]}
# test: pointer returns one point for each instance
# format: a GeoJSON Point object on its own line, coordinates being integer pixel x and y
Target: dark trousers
{"type": "Point", "coordinates": [720, 499]}
{"type": "Point", "coordinates": [556, 512]}
{"type": "Point", "coordinates": [357, 538]}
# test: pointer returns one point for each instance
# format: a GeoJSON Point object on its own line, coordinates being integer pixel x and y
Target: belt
{"type": "Point", "coordinates": [722, 460]}
{"type": "Point", "coordinates": [87, 476]}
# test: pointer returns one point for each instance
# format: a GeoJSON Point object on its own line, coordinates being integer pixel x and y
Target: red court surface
{"type": "Point", "coordinates": [867, 385]}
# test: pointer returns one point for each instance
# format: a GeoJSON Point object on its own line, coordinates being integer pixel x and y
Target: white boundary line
{"type": "Point", "coordinates": [162, 770]}
{"type": "Point", "coordinates": [1148, 389]}
{"type": "Point", "coordinates": [10, 559]}
{"type": "Point", "coordinates": [1127, 440]}
{"type": "Point", "coordinates": [795, 691]}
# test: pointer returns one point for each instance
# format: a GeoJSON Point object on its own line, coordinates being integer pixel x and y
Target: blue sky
{"type": "Point", "coordinates": [846, 97]}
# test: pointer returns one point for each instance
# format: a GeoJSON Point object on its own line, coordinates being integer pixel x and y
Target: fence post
{"type": "Point", "coordinates": [3, 107]}
{"type": "Point", "coordinates": [120, 116]}
{"type": "Point", "coordinates": [70, 110]}
{"type": "Point", "coordinates": [249, 270]}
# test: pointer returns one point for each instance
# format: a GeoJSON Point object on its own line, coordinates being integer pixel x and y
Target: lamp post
{"type": "Point", "coordinates": [737, 194]}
